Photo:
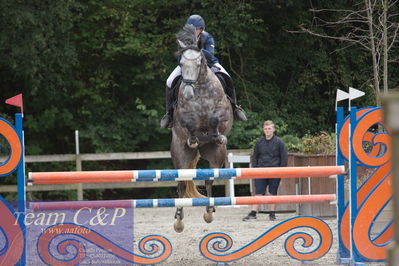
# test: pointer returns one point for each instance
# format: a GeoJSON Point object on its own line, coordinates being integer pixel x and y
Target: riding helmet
{"type": "Point", "coordinates": [197, 21]}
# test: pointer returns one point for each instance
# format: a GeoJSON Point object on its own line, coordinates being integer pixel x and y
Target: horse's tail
{"type": "Point", "coordinates": [191, 190]}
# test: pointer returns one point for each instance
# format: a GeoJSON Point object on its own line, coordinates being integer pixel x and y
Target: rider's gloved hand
{"type": "Point", "coordinates": [215, 68]}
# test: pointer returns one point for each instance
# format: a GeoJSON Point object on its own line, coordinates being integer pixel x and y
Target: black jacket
{"type": "Point", "coordinates": [269, 153]}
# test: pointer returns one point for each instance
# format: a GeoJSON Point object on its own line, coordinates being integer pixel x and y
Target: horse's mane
{"type": "Point", "coordinates": [187, 36]}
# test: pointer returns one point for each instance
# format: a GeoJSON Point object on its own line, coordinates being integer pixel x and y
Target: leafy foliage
{"type": "Point", "coordinates": [320, 144]}
{"type": "Point", "coordinates": [100, 67]}
{"type": "Point", "coordinates": [293, 143]}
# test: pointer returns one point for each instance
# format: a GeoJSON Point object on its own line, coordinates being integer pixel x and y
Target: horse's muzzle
{"type": "Point", "coordinates": [188, 92]}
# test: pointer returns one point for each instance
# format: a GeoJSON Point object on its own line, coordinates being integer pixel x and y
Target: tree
{"type": "Point", "coordinates": [100, 67]}
{"type": "Point", "coordinates": [371, 24]}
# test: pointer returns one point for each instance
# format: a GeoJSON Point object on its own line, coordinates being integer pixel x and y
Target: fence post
{"type": "Point", "coordinates": [230, 183]}
{"type": "Point", "coordinates": [391, 120]}
{"type": "Point", "coordinates": [79, 186]}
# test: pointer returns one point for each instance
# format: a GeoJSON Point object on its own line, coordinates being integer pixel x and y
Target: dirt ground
{"type": "Point", "coordinates": [141, 223]}
{"type": "Point", "coordinates": [227, 220]}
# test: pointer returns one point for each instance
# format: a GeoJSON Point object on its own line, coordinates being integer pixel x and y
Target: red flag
{"type": "Point", "coordinates": [16, 101]}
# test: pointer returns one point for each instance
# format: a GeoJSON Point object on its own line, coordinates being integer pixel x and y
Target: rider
{"type": "Point", "coordinates": [207, 43]}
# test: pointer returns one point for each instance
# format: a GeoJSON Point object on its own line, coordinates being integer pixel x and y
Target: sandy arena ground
{"type": "Point", "coordinates": [227, 220]}
{"type": "Point", "coordinates": [185, 245]}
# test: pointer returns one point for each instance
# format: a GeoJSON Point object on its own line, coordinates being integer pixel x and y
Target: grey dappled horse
{"type": "Point", "coordinates": [202, 119]}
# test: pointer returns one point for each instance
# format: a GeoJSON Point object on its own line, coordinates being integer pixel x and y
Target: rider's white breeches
{"type": "Point", "coordinates": [177, 72]}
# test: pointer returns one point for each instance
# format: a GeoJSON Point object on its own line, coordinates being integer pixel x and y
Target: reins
{"type": "Point", "coordinates": [190, 82]}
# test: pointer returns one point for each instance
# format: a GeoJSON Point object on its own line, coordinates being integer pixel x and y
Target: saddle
{"type": "Point", "coordinates": [228, 86]}
{"type": "Point", "coordinates": [224, 79]}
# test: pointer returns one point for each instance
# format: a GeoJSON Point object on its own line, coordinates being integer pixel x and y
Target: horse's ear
{"type": "Point", "coordinates": [181, 44]}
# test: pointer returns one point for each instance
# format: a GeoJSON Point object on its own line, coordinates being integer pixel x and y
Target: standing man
{"type": "Point", "coordinates": [269, 151]}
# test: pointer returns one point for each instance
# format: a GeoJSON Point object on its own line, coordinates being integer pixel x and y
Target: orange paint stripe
{"type": "Point", "coordinates": [78, 180]}
{"type": "Point", "coordinates": [274, 233]}
{"type": "Point", "coordinates": [386, 236]}
{"type": "Point", "coordinates": [291, 172]}
{"type": "Point", "coordinates": [364, 222]}
{"type": "Point", "coordinates": [16, 148]}
{"type": "Point", "coordinates": [361, 196]}
{"type": "Point", "coordinates": [285, 199]}
{"type": "Point", "coordinates": [90, 175]}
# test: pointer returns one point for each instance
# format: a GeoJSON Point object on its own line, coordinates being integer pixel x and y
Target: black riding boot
{"type": "Point", "coordinates": [230, 91]}
{"type": "Point", "coordinates": [239, 113]}
{"type": "Point", "coordinates": [167, 119]}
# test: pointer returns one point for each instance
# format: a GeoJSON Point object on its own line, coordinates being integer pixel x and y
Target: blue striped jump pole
{"type": "Point", "coordinates": [183, 202]}
{"type": "Point", "coordinates": [181, 174]}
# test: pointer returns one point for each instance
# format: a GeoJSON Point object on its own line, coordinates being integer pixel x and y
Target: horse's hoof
{"type": "Point", "coordinates": [221, 140]}
{"type": "Point", "coordinates": [192, 144]}
{"type": "Point", "coordinates": [208, 217]}
{"type": "Point", "coordinates": [178, 225]}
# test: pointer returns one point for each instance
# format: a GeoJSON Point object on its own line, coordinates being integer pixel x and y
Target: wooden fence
{"type": "Point", "coordinates": [307, 186]}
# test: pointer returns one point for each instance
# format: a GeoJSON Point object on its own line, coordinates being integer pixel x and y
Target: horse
{"type": "Point", "coordinates": [202, 119]}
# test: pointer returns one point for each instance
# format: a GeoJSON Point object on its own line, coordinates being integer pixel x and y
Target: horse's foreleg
{"type": "Point", "coordinates": [181, 187]}
{"type": "Point", "coordinates": [216, 136]}
{"type": "Point", "coordinates": [220, 139]}
{"type": "Point", "coordinates": [208, 216]}
{"type": "Point", "coordinates": [192, 141]}
{"type": "Point", "coordinates": [179, 215]}
{"type": "Point", "coordinates": [208, 186]}
{"type": "Point", "coordinates": [215, 155]}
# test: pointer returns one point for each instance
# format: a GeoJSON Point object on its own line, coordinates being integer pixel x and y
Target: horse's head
{"type": "Point", "coordinates": [190, 63]}
{"type": "Point", "coordinates": [192, 60]}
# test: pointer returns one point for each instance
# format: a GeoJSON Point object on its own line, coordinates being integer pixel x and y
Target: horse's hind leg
{"type": "Point", "coordinates": [183, 157]}
{"type": "Point", "coordinates": [179, 215]}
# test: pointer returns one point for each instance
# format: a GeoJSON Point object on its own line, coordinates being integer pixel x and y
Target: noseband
{"type": "Point", "coordinates": [190, 82]}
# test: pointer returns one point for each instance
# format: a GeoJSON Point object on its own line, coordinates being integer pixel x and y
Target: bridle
{"type": "Point", "coordinates": [190, 82]}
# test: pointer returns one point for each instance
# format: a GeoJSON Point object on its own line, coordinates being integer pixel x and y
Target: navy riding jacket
{"type": "Point", "coordinates": [207, 44]}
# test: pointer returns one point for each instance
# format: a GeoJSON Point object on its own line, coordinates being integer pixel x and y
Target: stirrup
{"type": "Point", "coordinates": [239, 113]}
{"type": "Point", "coordinates": [166, 121]}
